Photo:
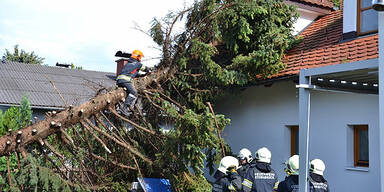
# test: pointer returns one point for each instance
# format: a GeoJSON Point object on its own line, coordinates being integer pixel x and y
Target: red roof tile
{"type": "Point", "coordinates": [321, 46]}
{"type": "Point", "coordinates": [319, 3]}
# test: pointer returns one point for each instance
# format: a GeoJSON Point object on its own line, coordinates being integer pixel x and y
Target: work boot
{"type": "Point", "coordinates": [126, 112]}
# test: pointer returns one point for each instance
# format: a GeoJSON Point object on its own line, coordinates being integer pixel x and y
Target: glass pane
{"type": "Point", "coordinates": [297, 142]}
{"type": "Point", "coordinates": [366, 3]}
{"type": "Point", "coordinates": [363, 145]}
{"type": "Point", "coordinates": [368, 20]}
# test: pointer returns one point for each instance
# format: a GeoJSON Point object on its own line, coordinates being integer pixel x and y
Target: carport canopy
{"type": "Point", "coordinates": [356, 77]}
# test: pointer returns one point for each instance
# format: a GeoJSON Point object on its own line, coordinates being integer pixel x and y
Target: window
{"type": "Point", "coordinates": [361, 145]}
{"type": "Point", "coordinates": [294, 140]}
{"type": "Point", "coordinates": [366, 18]}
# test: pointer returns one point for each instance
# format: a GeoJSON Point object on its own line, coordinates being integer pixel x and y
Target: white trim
{"type": "Point", "coordinates": [357, 65]}
{"type": "Point", "coordinates": [360, 169]}
{"type": "Point", "coordinates": [306, 86]}
{"type": "Point", "coordinates": [381, 97]}
{"type": "Point", "coordinates": [349, 16]}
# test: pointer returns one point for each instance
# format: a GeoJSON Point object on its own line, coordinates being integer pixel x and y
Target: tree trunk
{"type": "Point", "coordinates": [54, 123]}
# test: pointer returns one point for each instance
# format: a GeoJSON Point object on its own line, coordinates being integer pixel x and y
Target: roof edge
{"type": "Point", "coordinates": [7, 62]}
{"type": "Point", "coordinates": [324, 5]}
{"type": "Point", "coordinates": [33, 106]}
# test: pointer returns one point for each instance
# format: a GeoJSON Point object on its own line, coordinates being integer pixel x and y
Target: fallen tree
{"type": "Point", "coordinates": [57, 122]}
{"type": "Point", "coordinates": [173, 130]}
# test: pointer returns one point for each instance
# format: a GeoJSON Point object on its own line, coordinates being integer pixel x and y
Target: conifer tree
{"type": "Point", "coordinates": [22, 56]}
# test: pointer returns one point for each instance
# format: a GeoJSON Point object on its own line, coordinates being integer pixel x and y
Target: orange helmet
{"type": "Point", "coordinates": [137, 54]}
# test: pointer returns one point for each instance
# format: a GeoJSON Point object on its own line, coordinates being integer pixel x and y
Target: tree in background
{"type": "Point", "coordinates": [13, 119]}
{"type": "Point", "coordinates": [16, 117]}
{"type": "Point", "coordinates": [22, 56]}
{"type": "Point", "coordinates": [336, 3]}
{"type": "Point", "coordinates": [73, 66]}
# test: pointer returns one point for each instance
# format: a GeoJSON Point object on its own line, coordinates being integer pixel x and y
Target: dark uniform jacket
{"type": "Point", "coordinates": [243, 170]}
{"type": "Point", "coordinates": [227, 183]}
{"type": "Point", "coordinates": [130, 71]}
{"type": "Point", "coordinates": [260, 178]}
{"type": "Point", "coordinates": [290, 184]}
{"type": "Point", "coordinates": [317, 183]}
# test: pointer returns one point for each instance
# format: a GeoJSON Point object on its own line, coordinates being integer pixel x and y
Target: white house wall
{"type": "Point", "coordinates": [260, 116]}
{"type": "Point", "coordinates": [305, 19]}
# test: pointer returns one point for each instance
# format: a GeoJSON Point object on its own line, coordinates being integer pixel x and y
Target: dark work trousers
{"type": "Point", "coordinates": [131, 94]}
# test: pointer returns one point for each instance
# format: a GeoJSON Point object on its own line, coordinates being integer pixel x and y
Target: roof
{"type": "Point", "coordinates": [317, 3]}
{"type": "Point", "coordinates": [76, 86]}
{"type": "Point", "coordinates": [322, 45]}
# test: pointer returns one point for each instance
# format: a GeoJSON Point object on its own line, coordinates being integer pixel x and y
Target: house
{"type": "Point", "coordinates": [336, 63]}
{"type": "Point", "coordinates": [49, 88]}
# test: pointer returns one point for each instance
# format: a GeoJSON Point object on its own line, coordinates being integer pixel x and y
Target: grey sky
{"type": "Point", "coordinates": [84, 32]}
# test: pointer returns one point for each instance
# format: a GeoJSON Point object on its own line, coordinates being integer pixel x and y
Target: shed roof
{"type": "Point", "coordinates": [76, 86]}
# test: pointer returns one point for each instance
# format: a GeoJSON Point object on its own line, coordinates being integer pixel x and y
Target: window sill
{"type": "Point", "coordinates": [361, 169]}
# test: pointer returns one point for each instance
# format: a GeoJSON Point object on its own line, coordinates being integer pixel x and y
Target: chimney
{"type": "Point", "coordinates": [120, 64]}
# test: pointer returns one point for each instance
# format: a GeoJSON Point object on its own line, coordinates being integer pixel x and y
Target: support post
{"type": "Point", "coordinates": [304, 118]}
{"type": "Point", "coordinates": [381, 97]}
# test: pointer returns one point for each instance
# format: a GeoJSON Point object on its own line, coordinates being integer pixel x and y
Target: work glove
{"type": "Point", "coordinates": [149, 69]}
{"type": "Point", "coordinates": [231, 170]}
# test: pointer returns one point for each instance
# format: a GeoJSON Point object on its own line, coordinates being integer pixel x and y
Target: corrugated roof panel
{"type": "Point", "coordinates": [76, 86]}
{"type": "Point", "coordinates": [10, 97]}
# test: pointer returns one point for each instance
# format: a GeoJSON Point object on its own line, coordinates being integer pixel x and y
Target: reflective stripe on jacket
{"type": "Point", "coordinates": [125, 77]}
{"type": "Point", "coordinates": [320, 186]}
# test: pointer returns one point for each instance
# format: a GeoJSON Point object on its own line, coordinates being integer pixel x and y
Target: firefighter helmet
{"type": "Point", "coordinates": [317, 166]}
{"type": "Point", "coordinates": [263, 155]}
{"type": "Point", "coordinates": [245, 154]}
{"type": "Point", "coordinates": [292, 165]}
{"type": "Point", "coordinates": [137, 54]}
{"type": "Point", "coordinates": [228, 162]}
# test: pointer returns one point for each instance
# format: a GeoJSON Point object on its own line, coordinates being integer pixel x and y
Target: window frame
{"type": "Point", "coordinates": [356, 146]}
{"type": "Point", "coordinates": [359, 11]}
{"type": "Point", "coordinates": [293, 130]}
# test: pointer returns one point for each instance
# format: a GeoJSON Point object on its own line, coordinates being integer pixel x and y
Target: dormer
{"type": "Point", "coordinates": [359, 18]}
{"type": "Point", "coordinates": [309, 10]}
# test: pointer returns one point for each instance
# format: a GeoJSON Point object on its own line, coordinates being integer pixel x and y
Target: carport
{"type": "Point", "coordinates": [365, 77]}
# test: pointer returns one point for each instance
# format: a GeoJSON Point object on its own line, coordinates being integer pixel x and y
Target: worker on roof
{"type": "Point", "coordinates": [291, 182]}
{"type": "Point", "coordinates": [126, 76]}
{"type": "Point", "coordinates": [227, 179]}
{"type": "Point", "coordinates": [261, 177]}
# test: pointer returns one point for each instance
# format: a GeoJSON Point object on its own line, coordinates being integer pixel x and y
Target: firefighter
{"type": "Point", "coordinates": [227, 179]}
{"type": "Point", "coordinates": [245, 159]}
{"type": "Point", "coordinates": [126, 76]}
{"type": "Point", "coordinates": [317, 183]}
{"type": "Point", "coordinates": [291, 182]}
{"type": "Point", "coordinates": [261, 177]}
